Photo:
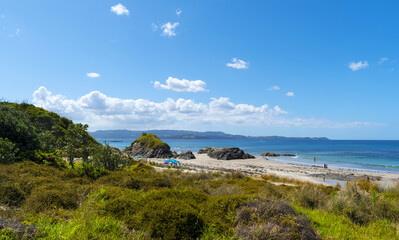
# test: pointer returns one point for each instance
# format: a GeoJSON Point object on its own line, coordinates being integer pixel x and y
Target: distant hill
{"type": "Point", "coordinates": [183, 134]}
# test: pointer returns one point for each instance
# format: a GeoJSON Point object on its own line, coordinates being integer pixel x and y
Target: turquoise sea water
{"type": "Point", "coordinates": [367, 155]}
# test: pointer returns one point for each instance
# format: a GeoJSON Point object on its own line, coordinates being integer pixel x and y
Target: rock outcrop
{"type": "Point", "coordinates": [150, 146]}
{"type": "Point", "coordinates": [225, 153]}
{"type": "Point", "coordinates": [20, 230]}
{"type": "Point", "coordinates": [271, 154]}
{"type": "Point", "coordinates": [185, 155]}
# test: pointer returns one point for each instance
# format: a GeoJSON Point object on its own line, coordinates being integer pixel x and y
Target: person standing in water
{"type": "Point", "coordinates": [314, 159]}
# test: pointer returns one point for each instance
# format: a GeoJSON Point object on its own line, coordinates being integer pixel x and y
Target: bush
{"type": "Point", "coordinates": [310, 196]}
{"type": "Point", "coordinates": [11, 194]}
{"type": "Point", "coordinates": [52, 197]}
{"type": "Point", "coordinates": [271, 220]}
{"type": "Point", "coordinates": [91, 171]}
{"type": "Point", "coordinates": [353, 203]}
{"type": "Point", "coordinates": [171, 220]}
{"type": "Point", "coordinates": [7, 151]}
{"type": "Point", "coordinates": [108, 158]}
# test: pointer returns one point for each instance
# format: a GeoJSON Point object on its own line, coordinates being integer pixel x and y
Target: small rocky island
{"type": "Point", "coordinates": [150, 146]}
{"type": "Point", "coordinates": [224, 153]}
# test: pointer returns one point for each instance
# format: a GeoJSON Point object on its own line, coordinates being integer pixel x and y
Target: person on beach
{"type": "Point", "coordinates": [314, 159]}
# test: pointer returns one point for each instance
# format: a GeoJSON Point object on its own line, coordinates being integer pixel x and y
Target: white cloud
{"type": "Point", "coordinates": [2, 16]}
{"type": "Point", "coordinates": [93, 75]}
{"type": "Point", "coordinates": [18, 31]}
{"type": "Point", "coordinates": [178, 12]}
{"type": "Point", "coordinates": [103, 112]}
{"type": "Point", "coordinates": [154, 27]}
{"type": "Point", "coordinates": [355, 66]}
{"type": "Point", "coordinates": [290, 94]}
{"type": "Point", "coordinates": [274, 88]}
{"type": "Point", "coordinates": [238, 64]}
{"type": "Point", "coordinates": [382, 60]}
{"type": "Point", "coordinates": [119, 9]}
{"type": "Point", "coordinates": [168, 29]}
{"type": "Point", "coordinates": [182, 85]}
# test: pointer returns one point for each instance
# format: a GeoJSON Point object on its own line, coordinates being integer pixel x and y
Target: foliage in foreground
{"type": "Point", "coordinates": [141, 203]}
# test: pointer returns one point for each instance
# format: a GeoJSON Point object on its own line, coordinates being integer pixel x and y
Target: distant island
{"type": "Point", "coordinates": [184, 134]}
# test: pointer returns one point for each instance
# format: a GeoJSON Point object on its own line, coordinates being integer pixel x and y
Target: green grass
{"type": "Point", "coordinates": [151, 141]}
{"type": "Point", "coordinates": [333, 226]}
{"type": "Point", "coordinates": [142, 203]}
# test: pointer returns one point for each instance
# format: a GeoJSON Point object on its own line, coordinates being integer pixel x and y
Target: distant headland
{"type": "Point", "coordinates": [185, 134]}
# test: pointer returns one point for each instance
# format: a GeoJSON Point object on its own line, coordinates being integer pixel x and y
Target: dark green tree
{"type": "Point", "coordinates": [108, 158]}
{"type": "Point", "coordinates": [75, 138]}
{"type": "Point", "coordinates": [16, 127]}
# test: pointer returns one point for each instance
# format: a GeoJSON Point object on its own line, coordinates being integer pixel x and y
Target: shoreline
{"type": "Point", "coordinates": [259, 166]}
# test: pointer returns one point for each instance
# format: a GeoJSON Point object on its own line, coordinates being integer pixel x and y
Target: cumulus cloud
{"type": "Point", "coordinates": [274, 88]}
{"type": "Point", "coordinates": [182, 85]}
{"type": "Point", "coordinates": [382, 60]}
{"type": "Point", "coordinates": [355, 66]}
{"type": "Point", "coordinates": [93, 75]}
{"type": "Point", "coordinates": [238, 64]}
{"type": "Point", "coordinates": [290, 94]}
{"type": "Point", "coordinates": [103, 112]}
{"type": "Point", "coordinates": [119, 9]}
{"type": "Point", "coordinates": [168, 29]}
{"type": "Point", "coordinates": [178, 12]}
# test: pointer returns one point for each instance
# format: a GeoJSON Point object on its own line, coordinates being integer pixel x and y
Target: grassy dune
{"type": "Point", "coordinates": [141, 203]}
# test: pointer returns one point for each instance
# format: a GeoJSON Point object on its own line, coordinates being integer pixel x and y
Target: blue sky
{"type": "Point", "coordinates": [293, 68]}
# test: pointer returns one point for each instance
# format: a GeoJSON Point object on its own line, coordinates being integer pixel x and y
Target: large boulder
{"type": "Point", "coordinates": [225, 153]}
{"type": "Point", "coordinates": [185, 155]}
{"type": "Point", "coordinates": [150, 146]}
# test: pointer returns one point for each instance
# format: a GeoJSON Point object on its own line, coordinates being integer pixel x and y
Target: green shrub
{"type": "Point", "coordinates": [108, 158]}
{"type": "Point", "coordinates": [271, 220]}
{"type": "Point", "coordinates": [7, 151]}
{"type": "Point", "coordinates": [140, 167]}
{"type": "Point", "coordinates": [220, 211]}
{"type": "Point", "coordinates": [90, 170]}
{"type": "Point", "coordinates": [11, 194]}
{"type": "Point", "coordinates": [310, 196]}
{"type": "Point", "coordinates": [171, 220]}
{"type": "Point", "coordinates": [353, 203]}
{"type": "Point", "coordinates": [52, 197]}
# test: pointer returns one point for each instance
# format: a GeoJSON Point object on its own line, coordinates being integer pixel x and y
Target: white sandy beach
{"type": "Point", "coordinates": [259, 166]}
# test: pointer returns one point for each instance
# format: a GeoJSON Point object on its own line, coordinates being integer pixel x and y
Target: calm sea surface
{"type": "Point", "coordinates": [367, 155]}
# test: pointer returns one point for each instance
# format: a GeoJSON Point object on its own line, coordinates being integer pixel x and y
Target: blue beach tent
{"type": "Point", "coordinates": [173, 161]}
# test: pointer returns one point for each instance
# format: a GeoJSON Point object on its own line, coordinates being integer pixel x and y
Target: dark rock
{"type": "Point", "coordinates": [185, 155]}
{"type": "Point", "coordinates": [288, 155]}
{"type": "Point", "coordinates": [21, 231]}
{"type": "Point", "coordinates": [225, 153]}
{"type": "Point", "coordinates": [150, 146]}
{"type": "Point", "coordinates": [271, 154]}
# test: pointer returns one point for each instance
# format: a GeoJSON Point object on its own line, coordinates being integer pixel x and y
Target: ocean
{"type": "Point", "coordinates": [362, 155]}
